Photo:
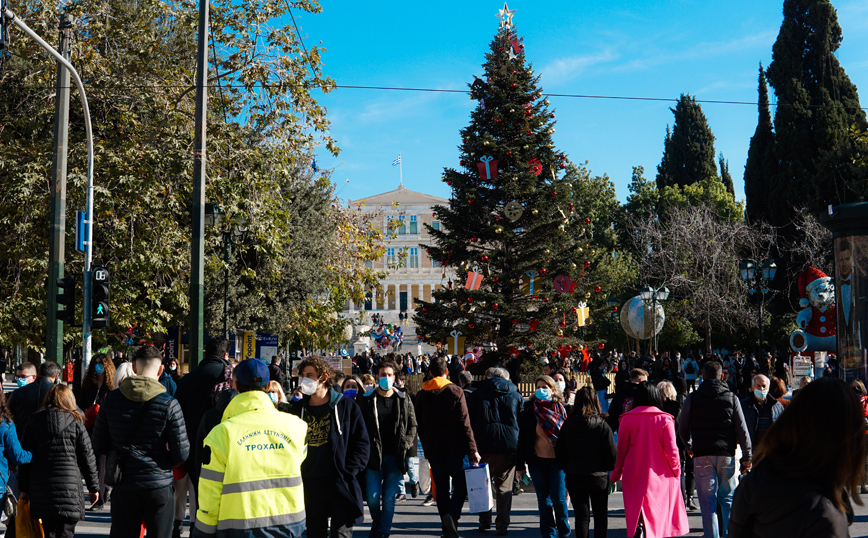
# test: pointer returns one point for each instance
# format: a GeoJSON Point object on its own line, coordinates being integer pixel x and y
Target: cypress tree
{"type": "Point", "coordinates": [760, 157]}
{"type": "Point", "coordinates": [817, 105]}
{"type": "Point", "coordinates": [725, 176]}
{"type": "Point", "coordinates": [688, 150]}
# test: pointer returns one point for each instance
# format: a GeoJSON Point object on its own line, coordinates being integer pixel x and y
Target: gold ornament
{"type": "Point", "coordinates": [498, 229]}
{"type": "Point", "coordinates": [605, 296]}
{"type": "Point", "coordinates": [485, 142]}
{"type": "Point", "coordinates": [573, 266]}
{"type": "Point", "coordinates": [512, 110]}
{"type": "Point", "coordinates": [587, 295]}
{"type": "Point", "coordinates": [581, 249]}
{"type": "Point", "coordinates": [593, 253]}
{"type": "Point", "coordinates": [534, 212]}
{"type": "Point", "coordinates": [562, 228]}
{"type": "Point", "coordinates": [547, 252]}
{"type": "Point", "coordinates": [526, 146]}
{"type": "Point", "coordinates": [582, 232]}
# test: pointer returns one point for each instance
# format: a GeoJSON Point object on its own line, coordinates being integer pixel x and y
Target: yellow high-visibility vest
{"type": "Point", "coordinates": [254, 477]}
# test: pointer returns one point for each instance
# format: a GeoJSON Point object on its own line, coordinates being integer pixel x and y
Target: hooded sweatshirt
{"type": "Point", "coordinates": [141, 415]}
{"type": "Point", "coordinates": [443, 420]}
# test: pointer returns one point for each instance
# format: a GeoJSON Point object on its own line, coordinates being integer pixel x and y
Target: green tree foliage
{"type": "Point", "coordinates": [564, 228]}
{"type": "Point", "coordinates": [710, 192]}
{"type": "Point", "coordinates": [138, 63]}
{"type": "Point", "coordinates": [688, 149]}
{"type": "Point", "coordinates": [817, 105]}
{"type": "Point", "coordinates": [725, 177]}
{"type": "Point", "coordinates": [760, 164]}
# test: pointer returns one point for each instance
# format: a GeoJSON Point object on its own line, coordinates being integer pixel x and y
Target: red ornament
{"type": "Point", "coordinates": [494, 305]}
{"type": "Point", "coordinates": [471, 326]}
{"type": "Point", "coordinates": [552, 114]}
{"type": "Point", "coordinates": [554, 193]}
{"type": "Point", "coordinates": [563, 156]}
{"type": "Point", "coordinates": [563, 166]}
{"type": "Point", "coordinates": [571, 207]}
{"type": "Point", "coordinates": [484, 258]}
{"type": "Point", "coordinates": [473, 239]}
{"type": "Point", "coordinates": [530, 133]}
{"type": "Point", "coordinates": [598, 289]}
{"type": "Point", "coordinates": [587, 221]}
{"type": "Point", "coordinates": [587, 264]}
{"type": "Point", "coordinates": [602, 346]}
{"type": "Point", "coordinates": [535, 166]}
{"type": "Point", "coordinates": [424, 309]}
{"type": "Point", "coordinates": [463, 140]}
{"type": "Point", "coordinates": [545, 299]}
{"type": "Point", "coordinates": [461, 163]}
{"type": "Point", "coordinates": [530, 344]}
{"type": "Point", "coordinates": [497, 120]}
{"type": "Point", "coordinates": [614, 309]}
{"type": "Point", "coordinates": [512, 85]}
{"type": "Point", "coordinates": [495, 280]}
{"type": "Point", "coordinates": [542, 271]}
{"type": "Point", "coordinates": [449, 183]}
{"type": "Point", "coordinates": [509, 153]}
{"type": "Point", "coordinates": [515, 322]}
{"type": "Point", "coordinates": [470, 201]}
{"type": "Point", "coordinates": [563, 324]}
{"type": "Point", "coordinates": [470, 299]}
{"type": "Point", "coordinates": [573, 310]}
{"type": "Point", "coordinates": [434, 215]}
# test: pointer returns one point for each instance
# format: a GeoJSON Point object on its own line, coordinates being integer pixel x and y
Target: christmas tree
{"type": "Point", "coordinates": [514, 229]}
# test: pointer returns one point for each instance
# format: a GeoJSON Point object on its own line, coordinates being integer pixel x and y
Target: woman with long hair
{"type": "Point", "coordinates": [806, 469]}
{"type": "Point", "coordinates": [649, 464]}
{"type": "Point", "coordinates": [539, 426]}
{"type": "Point", "coordinates": [98, 380]}
{"type": "Point", "coordinates": [586, 452]}
{"type": "Point", "coordinates": [61, 455]}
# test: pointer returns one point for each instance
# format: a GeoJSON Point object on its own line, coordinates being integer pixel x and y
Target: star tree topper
{"type": "Point", "coordinates": [505, 16]}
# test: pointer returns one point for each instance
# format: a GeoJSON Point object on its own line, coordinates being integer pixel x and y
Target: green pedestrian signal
{"type": "Point", "coordinates": [100, 295]}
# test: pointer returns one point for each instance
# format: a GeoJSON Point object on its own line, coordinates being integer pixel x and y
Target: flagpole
{"type": "Point", "coordinates": [401, 168]}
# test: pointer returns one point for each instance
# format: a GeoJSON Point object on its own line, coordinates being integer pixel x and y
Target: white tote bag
{"type": "Point", "coordinates": [479, 493]}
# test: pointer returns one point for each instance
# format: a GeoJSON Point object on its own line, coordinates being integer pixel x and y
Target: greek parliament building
{"type": "Point", "coordinates": [411, 273]}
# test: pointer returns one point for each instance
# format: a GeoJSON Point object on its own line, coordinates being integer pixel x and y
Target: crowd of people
{"type": "Point", "coordinates": [244, 451]}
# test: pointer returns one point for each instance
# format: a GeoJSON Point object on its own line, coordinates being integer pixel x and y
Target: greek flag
{"type": "Point", "coordinates": [397, 161]}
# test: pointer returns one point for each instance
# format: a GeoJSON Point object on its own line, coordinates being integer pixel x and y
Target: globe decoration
{"type": "Point", "coordinates": [637, 321]}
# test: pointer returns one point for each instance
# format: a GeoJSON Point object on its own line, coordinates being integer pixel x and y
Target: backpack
{"type": "Point", "coordinates": [223, 383]}
{"type": "Point", "coordinates": [689, 368]}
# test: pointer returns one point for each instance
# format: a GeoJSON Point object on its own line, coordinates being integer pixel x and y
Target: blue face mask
{"type": "Point", "coordinates": [760, 394]}
{"type": "Point", "coordinates": [296, 398]}
{"type": "Point", "coordinates": [21, 382]}
{"type": "Point", "coordinates": [386, 383]}
{"type": "Point", "coordinates": [99, 369]}
{"type": "Point", "coordinates": [350, 393]}
{"type": "Point", "coordinates": [543, 394]}
{"type": "Point", "coordinates": [274, 397]}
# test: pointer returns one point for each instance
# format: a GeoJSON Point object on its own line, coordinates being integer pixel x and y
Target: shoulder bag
{"type": "Point", "coordinates": [114, 458]}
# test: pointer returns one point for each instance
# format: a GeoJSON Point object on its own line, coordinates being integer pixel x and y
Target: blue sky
{"type": "Point", "coordinates": [659, 49]}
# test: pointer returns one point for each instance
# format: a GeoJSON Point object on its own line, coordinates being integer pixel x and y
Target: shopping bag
{"type": "Point", "coordinates": [25, 526]}
{"type": "Point", "coordinates": [479, 492]}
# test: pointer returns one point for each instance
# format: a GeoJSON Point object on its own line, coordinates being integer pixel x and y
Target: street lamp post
{"type": "Point", "coordinates": [232, 235]}
{"type": "Point", "coordinates": [653, 296]}
{"type": "Point", "coordinates": [758, 281]}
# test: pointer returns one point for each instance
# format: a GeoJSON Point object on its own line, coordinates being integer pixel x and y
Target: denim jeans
{"type": "Point", "coordinates": [413, 477]}
{"type": "Point", "coordinates": [604, 402]}
{"type": "Point", "coordinates": [551, 493]}
{"type": "Point", "coordinates": [716, 480]}
{"type": "Point", "coordinates": [382, 486]}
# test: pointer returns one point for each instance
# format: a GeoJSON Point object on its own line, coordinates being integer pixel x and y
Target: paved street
{"type": "Point", "coordinates": [412, 520]}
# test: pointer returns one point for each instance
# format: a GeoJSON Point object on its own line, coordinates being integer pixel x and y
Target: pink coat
{"type": "Point", "coordinates": [650, 470]}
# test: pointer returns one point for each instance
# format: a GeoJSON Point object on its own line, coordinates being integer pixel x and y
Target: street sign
{"type": "Point", "coordinates": [80, 231]}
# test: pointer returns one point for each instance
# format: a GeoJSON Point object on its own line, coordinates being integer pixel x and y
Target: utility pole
{"type": "Point", "coordinates": [56, 253]}
{"type": "Point", "coordinates": [197, 242]}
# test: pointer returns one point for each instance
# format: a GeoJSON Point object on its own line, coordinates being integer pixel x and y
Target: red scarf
{"type": "Point", "coordinates": [550, 416]}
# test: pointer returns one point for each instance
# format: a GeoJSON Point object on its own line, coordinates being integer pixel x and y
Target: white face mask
{"type": "Point", "coordinates": [308, 385]}
{"type": "Point", "coordinates": [561, 385]}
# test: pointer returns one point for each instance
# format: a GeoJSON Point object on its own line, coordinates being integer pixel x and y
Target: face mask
{"type": "Point", "coordinates": [386, 383]}
{"type": "Point", "coordinates": [273, 396]}
{"type": "Point", "coordinates": [173, 368]}
{"type": "Point", "coordinates": [296, 398]}
{"type": "Point", "coordinates": [350, 393]}
{"type": "Point", "coordinates": [561, 385]}
{"type": "Point", "coordinates": [99, 369]}
{"type": "Point", "coordinates": [544, 394]}
{"type": "Point", "coordinates": [308, 385]}
{"type": "Point", "coordinates": [760, 394]}
{"type": "Point", "coordinates": [21, 382]}
{"type": "Point", "coordinates": [369, 389]}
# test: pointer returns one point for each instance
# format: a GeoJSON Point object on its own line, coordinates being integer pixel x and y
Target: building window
{"type": "Point", "coordinates": [402, 227]}
{"type": "Point", "coordinates": [414, 227]}
{"type": "Point", "coordinates": [391, 259]}
{"type": "Point", "coordinates": [369, 264]}
{"type": "Point", "coordinates": [435, 224]}
{"type": "Point", "coordinates": [369, 304]}
{"type": "Point", "coordinates": [435, 263]}
{"type": "Point", "coordinates": [413, 262]}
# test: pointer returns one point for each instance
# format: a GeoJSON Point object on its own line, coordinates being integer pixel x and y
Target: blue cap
{"type": "Point", "coordinates": [252, 372]}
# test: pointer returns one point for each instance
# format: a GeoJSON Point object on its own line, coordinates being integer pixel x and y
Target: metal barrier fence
{"type": "Point", "coordinates": [526, 387]}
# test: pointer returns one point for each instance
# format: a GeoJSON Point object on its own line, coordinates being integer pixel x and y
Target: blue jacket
{"type": "Point", "coordinates": [167, 381]}
{"type": "Point", "coordinates": [494, 409]}
{"type": "Point", "coordinates": [751, 408]}
{"type": "Point", "coordinates": [12, 452]}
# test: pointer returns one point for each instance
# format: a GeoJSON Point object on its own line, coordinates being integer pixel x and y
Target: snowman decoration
{"type": "Point", "coordinates": [817, 322]}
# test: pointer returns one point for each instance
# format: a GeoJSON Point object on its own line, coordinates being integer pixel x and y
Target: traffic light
{"type": "Point", "coordinates": [66, 297]}
{"type": "Point", "coordinates": [100, 296]}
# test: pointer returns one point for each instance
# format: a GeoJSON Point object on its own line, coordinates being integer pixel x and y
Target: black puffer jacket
{"type": "Point", "coordinates": [767, 505]}
{"type": "Point", "coordinates": [494, 408]}
{"type": "Point", "coordinates": [159, 443]}
{"type": "Point", "coordinates": [712, 418]}
{"type": "Point", "coordinates": [586, 446]}
{"type": "Point", "coordinates": [61, 454]}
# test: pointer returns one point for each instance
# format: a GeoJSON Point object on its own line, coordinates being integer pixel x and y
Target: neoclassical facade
{"type": "Point", "coordinates": [412, 274]}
